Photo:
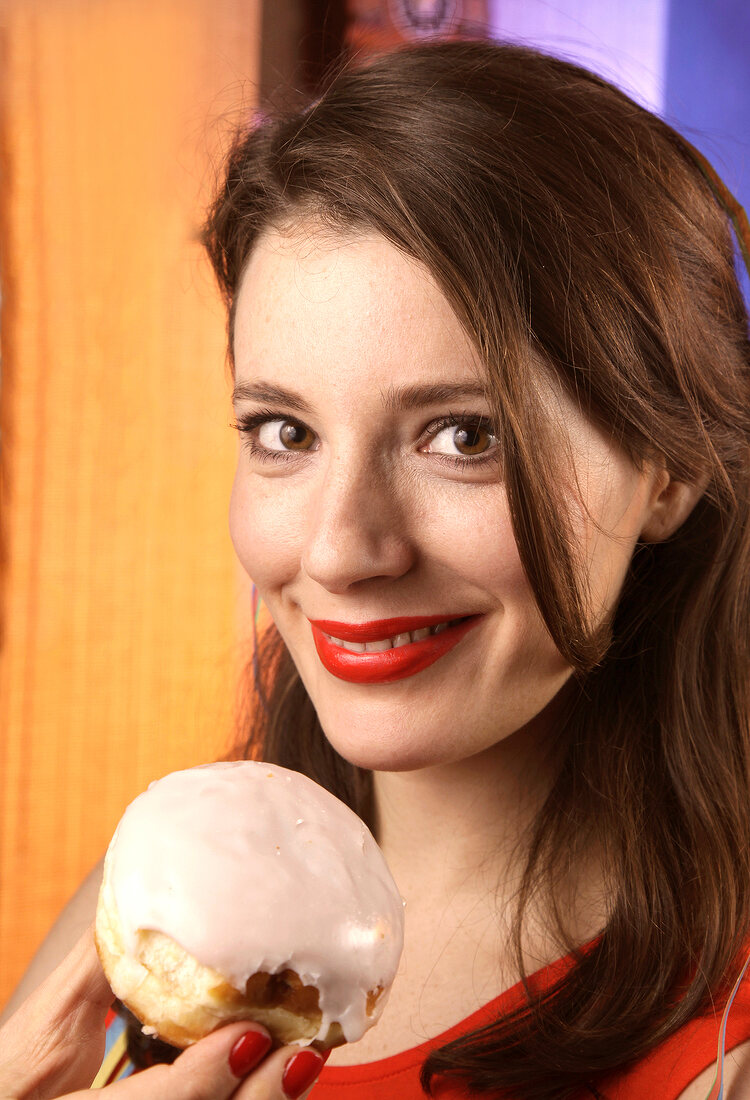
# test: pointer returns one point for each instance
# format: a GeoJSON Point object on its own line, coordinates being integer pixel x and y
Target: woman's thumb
{"type": "Point", "coordinates": [213, 1069]}
{"type": "Point", "coordinates": [55, 1041]}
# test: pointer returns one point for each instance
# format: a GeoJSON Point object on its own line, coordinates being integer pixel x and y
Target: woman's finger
{"type": "Point", "coordinates": [287, 1074]}
{"type": "Point", "coordinates": [230, 1062]}
{"type": "Point", "coordinates": [213, 1069]}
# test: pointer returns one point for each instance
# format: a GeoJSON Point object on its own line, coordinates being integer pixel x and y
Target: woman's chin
{"type": "Point", "coordinates": [378, 758]}
{"type": "Point", "coordinates": [396, 749]}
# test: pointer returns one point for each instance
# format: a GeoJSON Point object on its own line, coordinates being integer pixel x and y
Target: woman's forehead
{"type": "Point", "coordinates": [352, 305]}
{"type": "Point", "coordinates": [308, 265]}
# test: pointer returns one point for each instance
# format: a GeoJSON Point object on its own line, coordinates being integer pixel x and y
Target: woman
{"type": "Point", "coordinates": [492, 383]}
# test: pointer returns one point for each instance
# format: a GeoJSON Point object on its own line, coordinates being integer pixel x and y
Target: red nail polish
{"type": "Point", "coordinates": [300, 1072]}
{"type": "Point", "coordinates": [249, 1049]}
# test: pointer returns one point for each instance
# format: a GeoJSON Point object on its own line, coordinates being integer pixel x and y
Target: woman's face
{"type": "Point", "coordinates": [368, 490]}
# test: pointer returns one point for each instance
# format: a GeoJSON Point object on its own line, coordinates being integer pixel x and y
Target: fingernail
{"type": "Point", "coordinates": [300, 1072]}
{"type": "Point", "coordinates": [249, 1049]}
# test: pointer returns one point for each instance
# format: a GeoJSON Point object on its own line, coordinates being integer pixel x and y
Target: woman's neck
{"type": "Point", "coordinates": [457, 823]}
{"type": "Point", "coordinates": [456, 839]}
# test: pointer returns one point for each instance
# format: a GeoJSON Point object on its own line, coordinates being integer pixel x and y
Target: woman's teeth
{"type": "Point", "coordinates": [390, 643]}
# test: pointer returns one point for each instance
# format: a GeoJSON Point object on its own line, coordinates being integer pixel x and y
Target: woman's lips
{"type": "Point", "coordinates": [389, 664]}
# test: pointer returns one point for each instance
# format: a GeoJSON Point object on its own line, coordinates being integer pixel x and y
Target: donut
{"type": "Point", "coordinates": [245, 891]}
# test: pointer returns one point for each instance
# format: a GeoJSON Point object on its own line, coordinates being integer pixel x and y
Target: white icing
{"type": "Point", "coordinates": [252, 867]}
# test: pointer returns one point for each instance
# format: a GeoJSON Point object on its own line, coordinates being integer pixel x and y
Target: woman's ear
{"type": "Point", "coordinates": [672, 502]}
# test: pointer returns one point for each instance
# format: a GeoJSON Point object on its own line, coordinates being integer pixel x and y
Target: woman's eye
{"type": "Point", "coordinates": [285, 435]}
{"type": "Point", "coordinates": [465, 439]}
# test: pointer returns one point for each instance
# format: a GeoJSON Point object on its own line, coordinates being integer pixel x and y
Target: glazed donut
{"type": "Point", "coordinates": [241, 891]}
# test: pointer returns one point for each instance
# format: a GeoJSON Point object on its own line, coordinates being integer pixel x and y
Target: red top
{"type": "Point", "coordinates": [664, 1073]}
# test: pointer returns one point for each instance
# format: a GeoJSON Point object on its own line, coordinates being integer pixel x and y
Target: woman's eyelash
{"type": "Point", "coordinates": [248, 423]}
{"type": "Point", "coordinates": [461, 420]}
{"type": "Point", "coordinates": [465, 420]}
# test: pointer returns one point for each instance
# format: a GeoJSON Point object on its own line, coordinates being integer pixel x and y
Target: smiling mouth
{"type": "Point", "coordinates": [408, 637]}
{"type": "Point", "coordinates": [387, 650]}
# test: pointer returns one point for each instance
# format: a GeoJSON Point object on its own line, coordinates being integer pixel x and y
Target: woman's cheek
{"type": "Point", "coordinates": [265, 530]}
{"type": "Point", "coordinates": [487, 554]}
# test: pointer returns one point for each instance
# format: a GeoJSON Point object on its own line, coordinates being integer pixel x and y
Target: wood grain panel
{"type": "Point", "coordinates": [119, 644]}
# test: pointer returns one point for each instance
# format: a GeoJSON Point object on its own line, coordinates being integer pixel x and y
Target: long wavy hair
{"type": "Point", "coordinates": [563, 220]}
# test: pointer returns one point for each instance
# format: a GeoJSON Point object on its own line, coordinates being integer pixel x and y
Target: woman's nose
{"type": "Point", "coordinates": [357, 527]}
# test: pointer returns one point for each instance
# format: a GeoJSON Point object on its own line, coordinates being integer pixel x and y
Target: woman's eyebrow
{"type": "Point", "coordinates": [395, 398]}
{"type": "Point", "coordinates": [269, 394]}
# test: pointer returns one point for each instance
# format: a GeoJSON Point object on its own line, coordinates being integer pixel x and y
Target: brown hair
{"type": "Point", "coordinates": [562, 219]}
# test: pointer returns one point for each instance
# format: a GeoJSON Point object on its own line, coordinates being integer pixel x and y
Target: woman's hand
{"type": "Point", "coordinates": [54, 1044]}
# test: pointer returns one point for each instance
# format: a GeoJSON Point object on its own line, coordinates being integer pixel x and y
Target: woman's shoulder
{"type": "Point", "coordinates": [683, 1067]}
{"type": "Point", "coordinates": [736, 1082]}
{"type": "Point", "coordinates": [73, 920]}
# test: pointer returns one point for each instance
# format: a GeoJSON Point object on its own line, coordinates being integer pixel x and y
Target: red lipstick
{"type": "Point", "coordinates": [390, 664]}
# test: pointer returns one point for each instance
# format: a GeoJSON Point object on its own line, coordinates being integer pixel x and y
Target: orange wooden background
{"type": "Point", "coordinates": [118, 587]}
{"type": "Point", "coordinates": [123, 618]}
